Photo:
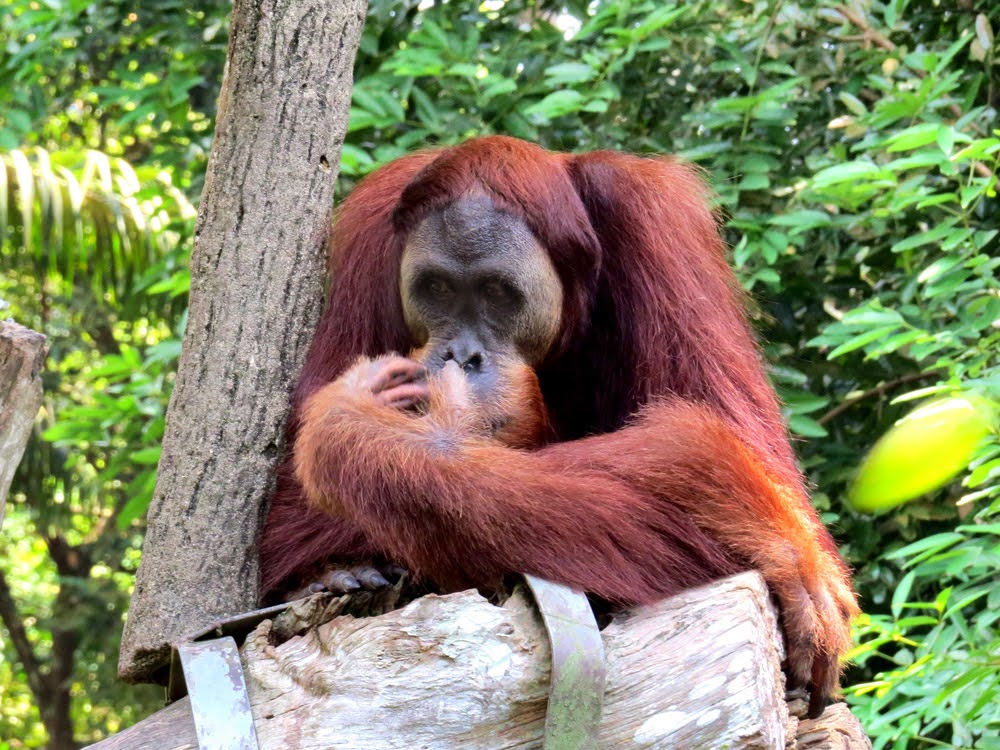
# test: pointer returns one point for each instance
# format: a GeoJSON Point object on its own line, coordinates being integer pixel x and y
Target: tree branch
{"type": "Point", "coordinates": [70, 560]}
{"type": "Point", "coordinates": [868, 33]}
{"type": "Point", "coordinates": [11, 617]}
{"type": "Point", "coordinates": [878, 390]}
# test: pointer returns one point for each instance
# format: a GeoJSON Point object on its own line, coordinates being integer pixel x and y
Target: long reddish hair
{"type": "Point", "coordinates": [651, 308]}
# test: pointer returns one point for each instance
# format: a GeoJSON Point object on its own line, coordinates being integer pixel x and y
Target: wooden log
{"type": "Point", "coordinates": [836, 729]}
{"type": "Point", "coordinates": [169, 729]}
{"type": "Point", "coordinates": [700, 670]}
{"type": "Point", "coordinates": [22, 352]}
{"type": "Point", "coordinates": [257, 277]}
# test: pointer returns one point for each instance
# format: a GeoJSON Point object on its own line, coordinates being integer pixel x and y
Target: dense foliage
{"type": "Point", "coordinates": [855, 153]}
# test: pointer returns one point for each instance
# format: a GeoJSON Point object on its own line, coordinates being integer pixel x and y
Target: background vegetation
{"type": "Point", "coordinates": [854, 150]}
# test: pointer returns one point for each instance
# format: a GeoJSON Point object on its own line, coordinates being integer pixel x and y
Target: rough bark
{"type": "Point", "coordinates": [22, 352]}
{"type": "Point", "coordinates": [700, 670]}
{"type": "Point", "coordinates": [257, 276]}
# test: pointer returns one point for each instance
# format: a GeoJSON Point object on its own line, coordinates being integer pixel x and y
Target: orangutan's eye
{"type": "Point", "coordinates": [437, 288]}
{"type": "Point", "coordinates": [498, 292]}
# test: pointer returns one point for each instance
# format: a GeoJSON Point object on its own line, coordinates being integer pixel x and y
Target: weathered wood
{"type": "Point", "coordinates": [257, 288]}
{"type": "Point", "coordinates": [22, 352]}
{"type": "Point", "coordinates": [836, 729]}
{"type": "Point", "coordinates": [169, 729]}
{"type": "Point", "coordinates": [700, 670]}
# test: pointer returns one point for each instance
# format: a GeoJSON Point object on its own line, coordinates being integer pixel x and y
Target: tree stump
{"type": "Point", "coordinates": [699, 670]}
{"type": "Point", "coordinates": [22, 352]}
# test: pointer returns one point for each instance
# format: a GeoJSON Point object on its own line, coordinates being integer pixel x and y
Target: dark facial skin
{"type": "Point", "coordinates": [478, 289]}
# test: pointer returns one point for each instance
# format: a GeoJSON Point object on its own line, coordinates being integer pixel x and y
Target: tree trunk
{"type": "Point", "coordinates": [700, 670]}
{"type": "Point", "coordinates": [56, 713]}
{"type": "Point", "coordinates": [22, 352]}
{"type": "Point", "coordinates": [257, 287]}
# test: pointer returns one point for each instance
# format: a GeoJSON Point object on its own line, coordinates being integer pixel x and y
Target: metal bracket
{"type": "Point", "coordinates": [206, 665]}
{"type": "Point", "coordinates": [237, 627]}
{"type": "Point", "coordinates": [576, 692]}
{"type": "Point", "coordinates": [219, 700]}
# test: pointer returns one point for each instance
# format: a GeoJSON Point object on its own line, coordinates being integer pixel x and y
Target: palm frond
{"type": "Point", "coordinates": [78, 217]}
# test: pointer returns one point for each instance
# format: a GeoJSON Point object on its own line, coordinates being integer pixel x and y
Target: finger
{"type": "Point", "coordinates": [404, 396]}
{"type": "Point", "coordinates": [340, 581]}
{"type": "Point", "coordinates": [313, 588]}
{"type": "Point", "coordinates": [369, 577]}
{"type": "Point", "coordinates": [822, 683]}
{"type": "Point", "coordinates": [387, 373]}
{"type": "Point", "coordinates": [803, 652]}
{"type": "Point", "coordinates": [818, 701]}
{"type": "Point", "coordinates": [801, 633]}
{"type": "Point", "coordinates": [413, 372]}
{"type": "Point", "coordinates": [393, 572]}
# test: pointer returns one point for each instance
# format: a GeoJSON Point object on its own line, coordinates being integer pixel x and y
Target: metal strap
{"type": "Point", "coordinates": [219, 700]}
{"type": "Point", "coordinates": [576, 692]}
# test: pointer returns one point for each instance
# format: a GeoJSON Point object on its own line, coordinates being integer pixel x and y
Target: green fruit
{"type": "Point", "coordinates": [922, 452]}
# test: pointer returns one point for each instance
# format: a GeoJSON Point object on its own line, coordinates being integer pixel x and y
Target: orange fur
{"type": "Point", "coordinates": [453, 504]}
{"type": "Point", "coordinates": [646, 454]}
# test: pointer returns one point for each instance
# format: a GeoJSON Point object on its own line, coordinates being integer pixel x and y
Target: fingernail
{"type": "Point", "coordinates": [340, 581]}
{"type": "Point", "coordinates": [395, 572]}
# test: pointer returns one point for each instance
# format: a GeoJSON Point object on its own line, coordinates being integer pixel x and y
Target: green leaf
{"type": "Point", "coordinates": [556, 104]}
{"type": "Point", "coordinates": [425, 109]}
{"type": "Point", "coordinates": [985, 528]}
{"type": "Point", "coordinates": [939, 267]}
{"type": "Point", "coordinates": [856, 342]}
{"type": "Point", "coordinates": [658, 19]}
{"type": "Point", "coordinates": [902, 593]}
{"type": "Point", "coordinates": [368, 102]}
{"type": "Point", "coordinates": [924, 238]}
{"type": "Point", "coordinates": [913, 137]}
{"type": "Point", "coordinates": [802, 220]}
{"type": "Point", "coordinates": [853, 104]}
{"type": "Point", "coordinates": [977, 149]}
{"type": "Point", "coordinates": [755, 182]}
{"type": "Point", "coordinates": [353, 160]}
{"type": "Point", "coordinates": [498, 87]}
{"type": "Point", "coordinates": [462, 70]}
{"type": "Point", "coordinates": [18, 119]}
{"type": "Point", "coordinates": [135, 508]}
{"type": "Point", "coordinates": [863, 316]}
{"type": "Point", "coordinates": [934, 543]}
{"type": "Point", "coordinates": [946, 138]}
{"type": "Point", "coordinates": [705, 150]}
{"type": "Point", "coordinates": [562, 74]}
{"type": "Point", "coordinates": [146, 456]}
{"type": "Point", "coordinates": [850, 172]}
{"type": "Point", "coordinates": [806, 426]}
